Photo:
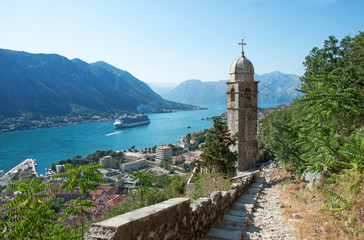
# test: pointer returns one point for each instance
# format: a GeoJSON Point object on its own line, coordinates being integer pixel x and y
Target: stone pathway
{"type": "Point", "coordinates": [256, 215]}
{"type": "Point", "coordinates": [267, 221]}
{"type": "Point", "coordinates": [235, 221]}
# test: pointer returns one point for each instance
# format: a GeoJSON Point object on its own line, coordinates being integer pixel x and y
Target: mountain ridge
{"type": "Point", "coordinates": [51, 84]}
{"type": "Point", "coordinates": [274, 88]}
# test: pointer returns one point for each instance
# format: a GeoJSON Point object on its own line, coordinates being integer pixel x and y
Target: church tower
{"type": "Point", "coordinates": [242, 99]}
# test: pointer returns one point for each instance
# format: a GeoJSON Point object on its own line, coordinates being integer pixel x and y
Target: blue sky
{"type": "Point", "coordinates": [172, 41]}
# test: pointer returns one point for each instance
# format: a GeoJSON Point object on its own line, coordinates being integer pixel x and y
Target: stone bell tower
{"type": "Point", "coordinates": [242, 105]}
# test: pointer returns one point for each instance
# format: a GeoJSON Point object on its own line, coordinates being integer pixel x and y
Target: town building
{"type": "Point", "coordinates": [60, 169]}
{"type": "Point", "coordinates": [242, 106]}
{"type": "Point", "coordinates": [163, 153]}
{"type": "Point", "coordinates": [131, 166]}
{"type": "Point", "coordinates": [108, 172]}
{"type": "Point", "coordinates": [106, 161]}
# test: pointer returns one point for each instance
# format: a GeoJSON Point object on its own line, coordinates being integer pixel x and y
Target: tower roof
{"type": "Point", "coordinates": [242, 64]}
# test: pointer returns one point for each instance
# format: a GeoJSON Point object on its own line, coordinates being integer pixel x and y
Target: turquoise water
{"type": "Point", "coordinates": [48, 145]}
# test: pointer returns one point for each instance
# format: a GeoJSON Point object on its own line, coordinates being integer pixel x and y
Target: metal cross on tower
{"type": "Point", "coordinates": [242, 47]}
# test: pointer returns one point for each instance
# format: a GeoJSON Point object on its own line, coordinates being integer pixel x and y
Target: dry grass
{"type": "Point", "coordinates": [317, 222]}
{"type": "Point", "coordinates": [207, 183]}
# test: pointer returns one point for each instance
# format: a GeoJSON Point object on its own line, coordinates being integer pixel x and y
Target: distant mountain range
{"type": "Point", "coordinates": [274, 88]}
{"type": "Point", "coordinates": [162, 88]}
{"type": "Point", "coordinates": [50, 84]}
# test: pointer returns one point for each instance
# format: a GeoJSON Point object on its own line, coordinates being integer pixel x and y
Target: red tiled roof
{"type": "Point", "coordinates": [116, 200]}
{"type": "Point", "coordinates": [99, 191]}
{"type": "Point", "coordinates": [112, 190]}
{"type": "Point", "coordinates": [163, 147]}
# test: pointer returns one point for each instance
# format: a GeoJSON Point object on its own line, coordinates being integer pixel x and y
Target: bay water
{"type": "Point", "coordinates": [48, 145]}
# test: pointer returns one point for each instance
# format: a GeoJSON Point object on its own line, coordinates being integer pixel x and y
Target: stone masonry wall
{"type": "Point", "coordinates": [175, 218]}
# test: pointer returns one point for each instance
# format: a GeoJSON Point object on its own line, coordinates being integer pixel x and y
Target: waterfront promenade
{"type": "Point", "coordinates": [26, 164]}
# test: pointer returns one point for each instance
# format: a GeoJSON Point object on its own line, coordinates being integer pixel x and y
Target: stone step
{"type": "Point", "coordinates": [234, 221]}
{"type": "Point", "coordinates": [251, 191]}
{"type": "Point", "coordinates": [256, 185]}
{"type": "Point", "coordinates": [229, 225]}
{"type": "Point", "coordinates": [237, 213]}
{"type": "Point", "coordinates": [224, 234]}
{"type": "Point", "coordinates": [251, 194]}
{"type": "Point", "coordinates": [247, 200]}
{"type": "Point", "coordinates": [259, 180]}
{"type": "Point", "coordinates": [210, 238]}
{"type": "Point", "coordinates": [243, 207]}
{"type": "Point", "coordinates": [233, 218]}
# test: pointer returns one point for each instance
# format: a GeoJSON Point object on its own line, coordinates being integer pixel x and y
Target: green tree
{"type": "Point", "coordinates": [77, 208]}
{"type": "Point", "coordinates": [217, 156]}
{"type": "Point", "coordinates": [147, 193]}
{"type": "Point", "coordinates": [322, 129]}
{"type": "Point", "coordinates": [29, 215]}
{"type": "Point", "coordinates": [82, 177]}
{"type": "Point", "coordinates": [279, 136]}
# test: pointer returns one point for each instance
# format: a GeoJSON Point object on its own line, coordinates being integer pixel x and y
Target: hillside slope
{"type": "Point", "coordinates": [50, 84]}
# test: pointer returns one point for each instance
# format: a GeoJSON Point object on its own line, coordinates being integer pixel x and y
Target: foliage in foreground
{"type": "Point", "coordinates": [324, 129]}
{"type": "Point", "coordinates": [30, 214]}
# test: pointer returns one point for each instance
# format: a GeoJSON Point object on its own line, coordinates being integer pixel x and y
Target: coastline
{"type": "Point", "coordinates": [24, 123]}
{"type": "Point", "coordinates": [27, 163]}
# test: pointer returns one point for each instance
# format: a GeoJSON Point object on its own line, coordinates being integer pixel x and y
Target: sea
{"type": "Point", "coordinates": [50, 145]}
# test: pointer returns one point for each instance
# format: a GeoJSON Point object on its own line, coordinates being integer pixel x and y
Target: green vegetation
{"type": "Point", "coordinates": [199, 140]}
{"type": "Point", "coordinates": [83, 178]}
{"type": "Point", "coordinates": [217, 156]}
{"type": "Point", "coordinates": [29, 215]}
{"type": "Point", "coordinates": [323, 130]}
{"type": "Point", "coordinates": [34, 213]}
{"type": "Point", "coordinates": [52, 85]}
{"type": "Point", "coordinates": [153, 189]}
{"type": "Point", "coordinates": [176, 150]}
{"type": "Point", "coordinates": [93, 158]}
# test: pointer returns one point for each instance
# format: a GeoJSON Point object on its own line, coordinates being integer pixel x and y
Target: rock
{"type": "Point", "coordinates": [312, 178]}
{"type": "Point", "coordinates": [296, 216]}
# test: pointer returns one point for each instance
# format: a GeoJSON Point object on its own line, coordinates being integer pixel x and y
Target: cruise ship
{"type": "Point", "coordinates": [127, 121]}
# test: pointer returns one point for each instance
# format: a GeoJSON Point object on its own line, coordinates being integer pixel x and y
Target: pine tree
{"type": "Point", "coordinates": [217, 156]}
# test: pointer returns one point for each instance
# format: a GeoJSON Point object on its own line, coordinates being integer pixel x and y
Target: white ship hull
{"type": "Point", "coordinates": [128, 125]}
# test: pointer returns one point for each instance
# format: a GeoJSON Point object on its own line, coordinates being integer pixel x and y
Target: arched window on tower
{"type": "Point", "coordinates": [232, 94]}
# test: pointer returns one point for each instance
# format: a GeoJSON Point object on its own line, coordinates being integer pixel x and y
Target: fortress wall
{"type": "Point", "coordinates": [175, 218]}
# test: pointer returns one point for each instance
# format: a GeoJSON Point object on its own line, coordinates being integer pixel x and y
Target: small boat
{"type": "Point", "coordinates": [189, 127]}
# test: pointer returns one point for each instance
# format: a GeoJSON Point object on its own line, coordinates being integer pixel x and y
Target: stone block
{"type": "Point", "coordinates": [215, 197]}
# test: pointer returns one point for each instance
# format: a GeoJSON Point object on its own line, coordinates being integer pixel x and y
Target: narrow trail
{"type": "Point", "coordinates": [267, 221]}
{"type": "Point", "coordinates": [256, 214]}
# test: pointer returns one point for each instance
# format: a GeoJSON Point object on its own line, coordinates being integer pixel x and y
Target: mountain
{"type": "Point", "coordinates": [196, 91]}
{"type": "Point", "coordinates": [274, 88]}
{"type": "Point", "coordinates": [277, 87]}
{"type": "Point", "coordinates": [162, 88]}
{"type": "Point", "coordinates": [50, 84]}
